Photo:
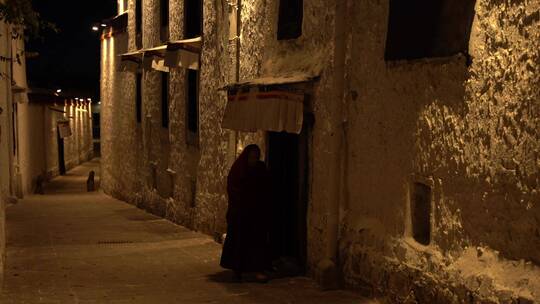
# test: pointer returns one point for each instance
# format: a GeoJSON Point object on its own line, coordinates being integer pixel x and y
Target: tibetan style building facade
{"type": "Point", "coordinates": [403, 137]}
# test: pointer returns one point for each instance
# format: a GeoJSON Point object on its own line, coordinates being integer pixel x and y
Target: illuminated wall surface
{"type": "Point", "coordinates": [439, 156]}
{"type": "Point", "coordinates": [38, 143]}
{"type": "Point", "coordinates": [4, 147]}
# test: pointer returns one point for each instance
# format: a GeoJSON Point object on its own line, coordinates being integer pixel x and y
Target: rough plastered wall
{"type": "Point", "coordinates": [5, 146]}
{"type": "Point", "coordinates": [31, 141]}
{"type": "Point", "coordinates": [156, 141]}
{"type": "Point", "coordinates": [197, 173]}
{"type": "Point", "coordinates": [38, 143]}
{"type": "Point", "coordinates": [121, 139]}
{"type": "Point", "coordinates": [81, 136]}
{"type": "Point", "coordinates": [471, 133]}
{"type": "Point", "coordinates": [107, 179]}
{"type": "Point", "coordinates": [51, 140]}
{"type": "Point", "coordinates": [189, 177]}
{"type": "Point", "coordinates": [78, 147]}
{"type": "Point", "coordinates": [131, 150]}
{"type": "Point", "coordinates": [183, 157]}
{"type": "Point", "coordinates": [123, 171]}
{"type": "Point", "coordinates": [212, 169]}
{"type": "Point", "coordinates": [71, 142]}
{"type": "Point", "coordinates": [261, 54]}
{"type": "Point", "coordinates": [144, 163]}
{"type": "Point", "coordinates": [312, 53]}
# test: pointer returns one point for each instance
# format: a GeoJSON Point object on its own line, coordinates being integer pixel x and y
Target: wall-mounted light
{"type": "Point", "coordinates": [103, 25]}
{"type": "Point", "coordinates": [95, 28]}
{"type": "Point", "coordinates": [59, 91]}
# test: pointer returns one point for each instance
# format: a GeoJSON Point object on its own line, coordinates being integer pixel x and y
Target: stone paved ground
{"type": "Point", "coordinates": [69, 246]}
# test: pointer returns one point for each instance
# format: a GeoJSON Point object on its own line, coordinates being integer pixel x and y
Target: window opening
{"type": "Point", "coordinates": [192, 100]}
{"type": "Point", "coordinates": [138, 23]}
{"type": "Point", "coordinates": [193, 13]}
{"type": "Point", "coordinates": [291, 13]}
{"type": "Point", "coordinates": [164, 7]}
{"type": "Point", "coordinates": [427, 28]}
{"type": "Point", "coordinates": [165, 99]}
{"type": "Point", "coordinates": [138, 100]}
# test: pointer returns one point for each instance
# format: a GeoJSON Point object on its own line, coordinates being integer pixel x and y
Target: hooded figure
{"type": "Point", "coordinates": [246, 245]}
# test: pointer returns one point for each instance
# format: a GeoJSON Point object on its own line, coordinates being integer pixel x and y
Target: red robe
{"type": "Point", "coordinates": [246, 247]}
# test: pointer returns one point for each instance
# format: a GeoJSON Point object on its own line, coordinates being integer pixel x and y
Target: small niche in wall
{"type": "Point", "coordinates": [421, 213]}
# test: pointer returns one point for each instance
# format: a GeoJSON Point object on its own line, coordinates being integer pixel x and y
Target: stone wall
{"type": "Point", "coordinates": [471, 133]}
{"type": "Point", "coordinates": [78, 147]}
{"type": "Point", "coordinates": [38, 143]}
{"type": "Point", "coordinates": [197, 172]}
{"type": "Point", "coordinates": [31, 148]}
{"type": "Point", "coordinates": [5, 175]}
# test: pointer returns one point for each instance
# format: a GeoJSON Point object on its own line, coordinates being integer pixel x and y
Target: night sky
{"type": "Point", "coordinates": [69, 59]}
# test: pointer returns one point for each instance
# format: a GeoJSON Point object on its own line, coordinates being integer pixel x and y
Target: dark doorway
{"type": "Point", "coordinates": [287, 162]}
{"type": "Point", "coordinates": [421, 213]}
{"type": "Point", "coordinates": [61, 160]}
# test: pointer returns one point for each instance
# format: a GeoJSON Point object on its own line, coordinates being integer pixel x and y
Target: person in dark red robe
{"type": "Point", "coordinates": [246, 247]}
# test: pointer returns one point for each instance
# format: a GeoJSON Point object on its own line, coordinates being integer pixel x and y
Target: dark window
{"type": "Point", "coordinates": [193, 13]}
{"type": "Point", "coordinates": [164, 33]}
{"type": "Point", "coordinates": [421, 213]}
{"type": "Point", "coordinates": [165, 99]}
{"type": "Point", "coordinates": [164, 12]}
{"type": "Point", "coordinates": [138, 100]}
{"type": "Point", "coordinates": [192, 101]}
{"type": "Point", "coordinates": [291, 13]}
{"type": "Point", "coordinates": [428, 28]}
{"type": "Point", "coordinates": [13, 127]}
{"type": "Point", "coordinates": [193, 197]}
{"type": "Point", "coordinates": [96, 126]}
{"type": "Point", "coordinates": [138, 22]}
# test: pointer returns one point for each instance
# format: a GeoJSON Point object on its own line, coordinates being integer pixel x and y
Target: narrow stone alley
{"type": "Point", "coordinates": [71, 246]}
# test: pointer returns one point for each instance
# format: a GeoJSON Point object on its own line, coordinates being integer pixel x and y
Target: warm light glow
{"type": "Point", "coordinates": [103, 25]}
{"type": "Point", "coordinates": [122, 6]}
{"type": "Point", "coordinates": [95, 28]}
{"type": "Point", "coordinates": [76, 98]}
{"type": "Point", "coordinates": [89, 99]}
{"type": "Point", "coordinates": [59, 91]}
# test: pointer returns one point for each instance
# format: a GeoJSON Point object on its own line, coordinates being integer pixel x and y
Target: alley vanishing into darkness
{"type": "Point", "coordinates": [71, 246]}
